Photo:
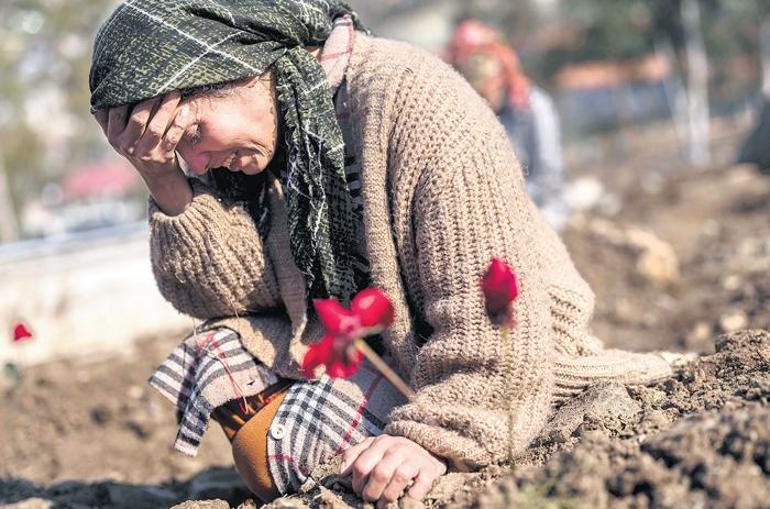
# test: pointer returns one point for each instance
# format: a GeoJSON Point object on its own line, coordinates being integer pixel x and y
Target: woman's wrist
{"type": "Point", "coordinates": [171, 193]}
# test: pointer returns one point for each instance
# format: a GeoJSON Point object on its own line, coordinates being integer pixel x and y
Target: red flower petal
{"type": "Point", "coordinates": [374, 310]}
{"type": "Point", "coordinates": [335, 317]}
{"type": "Point", "coordinates": [337, 354]}
{"type": "Point", "coordinates": [347, 368]}
{"type": "Point", "coordinates": [499, 286]}
{"type": "Point", "coordinates": [371, 312]}
{"type": "Point", "coordinates": [319, 354]}
{"type": "Point", "coordinates": [21, 333]}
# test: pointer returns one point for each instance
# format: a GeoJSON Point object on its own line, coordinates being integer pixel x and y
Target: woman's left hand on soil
{"type": "Point", "coordinates": [384, 466]}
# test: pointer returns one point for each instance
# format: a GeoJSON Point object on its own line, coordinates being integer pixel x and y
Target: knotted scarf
{"type": "Point", "coordinates": [148, 48]}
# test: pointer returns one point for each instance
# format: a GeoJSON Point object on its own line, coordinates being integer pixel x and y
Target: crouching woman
{"type": "Point", "coordinates": [291, 156]}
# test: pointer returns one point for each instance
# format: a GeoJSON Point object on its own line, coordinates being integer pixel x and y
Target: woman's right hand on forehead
{"type": "Point", "coordinates": [147, 136]}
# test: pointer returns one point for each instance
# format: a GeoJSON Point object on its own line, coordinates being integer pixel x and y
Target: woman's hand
{"type": "Point", "coordinates": [148, 139]}
{"type": "Point", "coordinates": [383, 467]}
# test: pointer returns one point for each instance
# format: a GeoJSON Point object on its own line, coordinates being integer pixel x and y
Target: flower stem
{"type": "Point", "coordinates": [387, 372]}
{"type": "Point", "coordinates": [511, 455]}
{"type": "Point", "coordinates": [404, 389]}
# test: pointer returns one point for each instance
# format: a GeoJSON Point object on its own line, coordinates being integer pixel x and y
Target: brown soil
{"type": "Point", "coordinates": [89, 433]}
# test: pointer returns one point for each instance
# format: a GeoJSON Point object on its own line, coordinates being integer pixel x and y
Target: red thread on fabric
{"type": "Point", "coordinates": [290, 459]}
{"type": "Point", "coordinates": [359, 413]}
{"type": "Point", "coordinates": [211, 339]}
{"type": "Point", "coordinates": [334, 55]}
{"type": "Point", "coordinates": [349, 49]}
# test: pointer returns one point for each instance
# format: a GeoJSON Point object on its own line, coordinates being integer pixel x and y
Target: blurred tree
{"type": "Point", "coordinates": [714, 44]}
{"type": "Point", "coordinates": [44, 118]}
{"type": "Point", "coordinates": [601, 30]}
{"type": "Point", "coordinates": [698, 113]}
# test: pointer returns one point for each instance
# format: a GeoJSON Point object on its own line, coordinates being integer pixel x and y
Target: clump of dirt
{"type": "Point", "coordinates": [699, 438]}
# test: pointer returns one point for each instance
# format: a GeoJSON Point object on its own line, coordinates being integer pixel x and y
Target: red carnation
{"type": "Point", "coordinates": [336, 318]}
{"type": "Point", "coordinates": [337, 353]}
{"type": "Point", "coordinates": [500, 290]}
{"type": "Point", "coordinates": [371, 312]}
{"type": "Point", "coordinates": [21, 333]}
{"type": "Point", "coordinates": [374, 310]}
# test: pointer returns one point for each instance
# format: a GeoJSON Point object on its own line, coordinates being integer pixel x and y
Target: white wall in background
{"type": "Point", "coordinates": [86, 295]}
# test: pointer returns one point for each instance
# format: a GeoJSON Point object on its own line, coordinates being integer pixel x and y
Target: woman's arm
{"type": "Point", "coordinates": [481, 398]}
{"type": "Point", "coordinates": [207, 255]}
{"type": "Point", "coordinates": [209, 261]}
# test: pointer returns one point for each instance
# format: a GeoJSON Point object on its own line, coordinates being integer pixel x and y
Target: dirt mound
{"type": "Point", "coordinates": [701, 438]}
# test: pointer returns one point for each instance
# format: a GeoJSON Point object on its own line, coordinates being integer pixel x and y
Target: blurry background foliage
{"type": "Point", "coordinates": [45, 49]}
{"type": "Point", "coordinates": [45, 124]}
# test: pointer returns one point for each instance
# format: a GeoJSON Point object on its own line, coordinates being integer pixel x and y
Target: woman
{"type": "Point", "coordinates": [526, 111]}
{"type": "Point", "coordinates": [332, 161]}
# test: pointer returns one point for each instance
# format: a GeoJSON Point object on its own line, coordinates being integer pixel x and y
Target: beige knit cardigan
{"type": "Point", "coordinates": [443, 194]}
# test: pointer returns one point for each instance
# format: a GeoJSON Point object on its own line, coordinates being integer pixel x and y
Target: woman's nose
{"type": "Point", "coordinates": [198, 161]}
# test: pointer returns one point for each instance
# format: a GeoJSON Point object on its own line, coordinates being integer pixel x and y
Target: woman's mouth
{"type": "Point", "coordinates": [228, 163]}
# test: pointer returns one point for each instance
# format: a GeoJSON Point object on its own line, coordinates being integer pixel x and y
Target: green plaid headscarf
{"type": "Point", "coordinates": [150, 47]}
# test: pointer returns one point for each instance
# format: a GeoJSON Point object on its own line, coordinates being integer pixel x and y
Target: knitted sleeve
{"type": "Point", "coordinates": [209, 261]}
{"type": "Point", "coordinates": [481, 396]}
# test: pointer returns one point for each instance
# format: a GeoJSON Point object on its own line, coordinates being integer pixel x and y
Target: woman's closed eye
{"type": "Point", "coordinates": [194, 134]}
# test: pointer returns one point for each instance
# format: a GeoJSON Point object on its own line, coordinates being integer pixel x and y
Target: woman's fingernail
{"type": "Point", "coordinates": [183, 111]}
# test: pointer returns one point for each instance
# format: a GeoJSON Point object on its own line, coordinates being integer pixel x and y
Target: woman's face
{"type": "Point", "coordinates": [485, 75]}
{"type": "Point", "coordinates": [236, 129]}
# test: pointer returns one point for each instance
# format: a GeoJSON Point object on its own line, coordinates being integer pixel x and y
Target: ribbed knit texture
{"type": "Point", "coordinates": [210, 261]}
{"type": "Point", "coordinates": [443, 194]}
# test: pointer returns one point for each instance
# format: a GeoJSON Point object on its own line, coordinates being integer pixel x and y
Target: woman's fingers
{"type": "Point", "coordinates": [424, 482]}
{"type": "Point", "coordinates": [401, 478]}
{"type": "Point", "coordinates": [351, 454]}
{"type": "Point", "coordinates": [179, 125]}
{"type": "Point", "coordinates": [366, 462]}
{"type": "Point", "coordinates": [381, 475]}
{"type": "Point", "coordinates": [116, 123]}
{"type": "Point", "coordinates": [384, 467]}
{"type": "Point", "coordinates": [157, 126]}
{"type": "Point", "coordinates": [140, 117]}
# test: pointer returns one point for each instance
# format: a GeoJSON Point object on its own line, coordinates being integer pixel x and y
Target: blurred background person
{"type": "Point", "coordinates": [526, 111]}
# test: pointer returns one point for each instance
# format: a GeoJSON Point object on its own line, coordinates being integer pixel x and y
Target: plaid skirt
{"type": "Point", "coordinates": [317, 419]}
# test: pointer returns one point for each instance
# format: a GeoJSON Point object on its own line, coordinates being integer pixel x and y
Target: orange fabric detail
{"type": "Point", "coordinates": [250, 450]}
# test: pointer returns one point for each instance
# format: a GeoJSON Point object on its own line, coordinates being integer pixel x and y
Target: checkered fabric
{"type": "Point", "coordinates": [318, 420]}
{"type": "Point", "coordinates": [205, 371]}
